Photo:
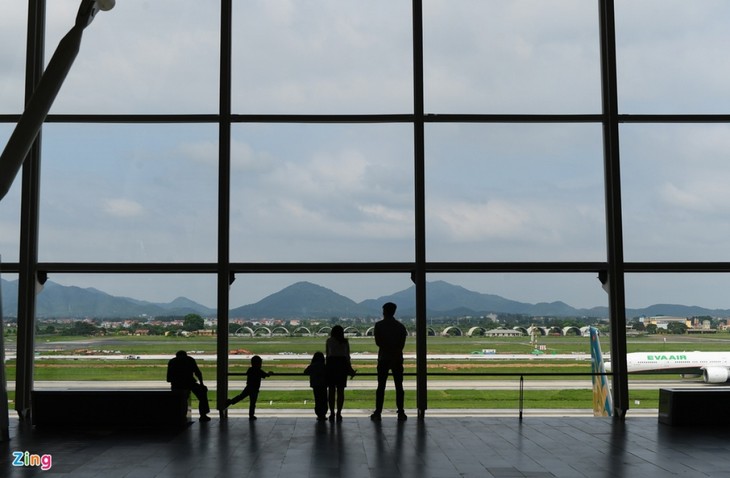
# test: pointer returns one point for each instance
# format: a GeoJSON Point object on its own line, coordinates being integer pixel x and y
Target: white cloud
{"type": "Point", "coordinates": [121, 207]}
{"type": "Point", "coordinates": [380, 213]}
{"type": "Point", "coordinates": [465, 222]}
{"type": "Point", "coordinates": [683, 198]}
{"type": "Point", "coordinates": [205, 152]}
{"type": "Point", "coordinates": [326, 174]}
{"type": "Point", "coordinates": [330, 191]}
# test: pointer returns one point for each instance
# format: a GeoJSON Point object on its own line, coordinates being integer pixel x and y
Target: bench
{"type": "Point", "coordinates": [694, 406]}
{"type": "Point", "coordinates": [117, 408]}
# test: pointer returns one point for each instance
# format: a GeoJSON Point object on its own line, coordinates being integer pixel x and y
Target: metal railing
{"type": "Point", "coordinates": [522, 375]}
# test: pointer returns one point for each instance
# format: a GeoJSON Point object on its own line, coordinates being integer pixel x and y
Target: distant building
{"type": "Point", "coordinates": [704, 327]}
{"type": "Point", "coordinates": [663, 321]}
{"type": "Point", "coordinates": [502, 333]}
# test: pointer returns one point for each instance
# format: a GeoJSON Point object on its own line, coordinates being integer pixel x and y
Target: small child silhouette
{"type": "Point", "coordinates": [254, 375]}
{"type": "Point", "coordinates": [318, 382]}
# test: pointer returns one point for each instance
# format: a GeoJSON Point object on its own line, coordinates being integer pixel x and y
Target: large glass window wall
{"type": "Point", "coordinates": [326, 143]}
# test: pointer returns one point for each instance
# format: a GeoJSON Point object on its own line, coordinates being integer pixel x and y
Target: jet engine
{"type": "Point", "coordinates": [715, 374]}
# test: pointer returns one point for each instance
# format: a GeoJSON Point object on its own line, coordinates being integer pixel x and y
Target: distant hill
{"type": "Point", "coordinates": [304, 299]}
{"type": "Point", "coordinates": [308, 300]}
{"type": "Point", "coordinates": [60, 301]}
{"type": "Point", "coordinates": [446, 299]}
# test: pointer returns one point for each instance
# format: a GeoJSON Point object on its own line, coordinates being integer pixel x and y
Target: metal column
{"type": "Point", "coordinates": [29, 219]}
{"type": "Point", "coordinates": [614, 230]}
{"type": "Point", "coordinates": [419, 275]}
{"type": "Point", "coordinates": [225, 277]}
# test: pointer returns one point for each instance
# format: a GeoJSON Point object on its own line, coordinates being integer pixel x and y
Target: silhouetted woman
{"type": "Point", "coordinates": [337, 369]}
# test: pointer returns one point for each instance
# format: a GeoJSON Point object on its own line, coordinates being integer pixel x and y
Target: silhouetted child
{"type": "Point", "coordinates": [318, 382]}
{"type": "Point", "coordinates": [254, 375]}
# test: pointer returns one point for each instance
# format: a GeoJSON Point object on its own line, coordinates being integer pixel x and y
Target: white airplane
{"type": "Point", "coordinates": [713, 367]}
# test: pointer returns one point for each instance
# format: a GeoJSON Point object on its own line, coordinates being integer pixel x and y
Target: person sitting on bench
{"type": "Point", "coordinates": [181, 373]}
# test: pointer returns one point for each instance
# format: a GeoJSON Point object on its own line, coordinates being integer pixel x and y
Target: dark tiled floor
{"type": "Point", "coordinates": [295, 446]}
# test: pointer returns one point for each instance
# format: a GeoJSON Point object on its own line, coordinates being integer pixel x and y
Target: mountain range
{"type": "Point", "coordinates": [307, 300]}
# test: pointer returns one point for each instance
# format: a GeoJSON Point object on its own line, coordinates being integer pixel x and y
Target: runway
{"type": "Point", "coordinates": [578, 357]}
{"type": "Point", "coordinates": [294, 382]}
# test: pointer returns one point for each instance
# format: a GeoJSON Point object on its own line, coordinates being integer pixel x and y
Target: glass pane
{"type": "Point", "coordinates": [13, 22]}
{"type": "Point", "coordinates": [118, 324]}
{"type": "Point", "coordinates": [672, 56]}
{"type": "Point", "coordinates": [10, 211]}
{"type": "Point", "coordinates": [140, 57]}
{"type": "Point", "coordinates": [514, 193]}
{"type": "Point", "coordinates": [137, 193]}
{"type": "Point", "coordinates": [330, 56]}
{"type": "Point", "coordinates": [491, 329]}
{"type": "Point", "coordinates": [525, 56]}
{"type": "Point", "coordinates": [670, 314]}
{"type": "Point", "coordinates": [286, 318]}
{"type": "Point", "coordinates": [308, 193]}
{"type": "Point", "coordinates": [675, 195]}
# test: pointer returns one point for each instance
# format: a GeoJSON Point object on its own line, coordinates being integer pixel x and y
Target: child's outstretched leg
{"type": "Point", "coordinates": [237, 398]}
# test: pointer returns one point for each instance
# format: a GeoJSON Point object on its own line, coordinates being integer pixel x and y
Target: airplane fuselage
{"type": "Point", "coordinates": [713, 366]}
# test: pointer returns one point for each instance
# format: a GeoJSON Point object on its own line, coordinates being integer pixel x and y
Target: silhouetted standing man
{"type": "Point", "coordinates": [181, 373]}
{"type": "Point", "coordinates": [390, 337]}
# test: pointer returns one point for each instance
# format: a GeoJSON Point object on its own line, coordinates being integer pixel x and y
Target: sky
{"type": "Point", "coordinates": [497, 192]}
